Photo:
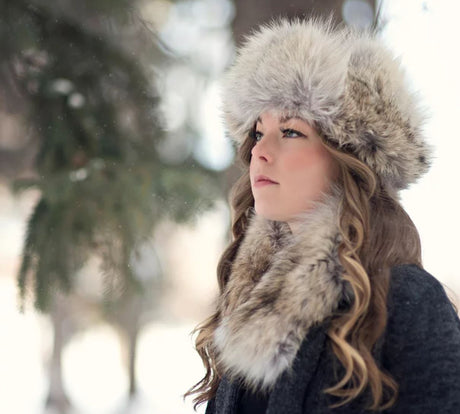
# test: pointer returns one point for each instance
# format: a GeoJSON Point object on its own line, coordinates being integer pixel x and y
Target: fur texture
{"type": "Point", "coordinates": [344, 82]}
{"type": "Point", "coordinates": [280, 285]}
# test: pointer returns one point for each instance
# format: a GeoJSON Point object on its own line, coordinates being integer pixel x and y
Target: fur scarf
{"type": "Point", "coordinates": [281, 284]}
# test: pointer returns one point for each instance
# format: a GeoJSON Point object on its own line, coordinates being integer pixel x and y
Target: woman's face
{"type": "Point", "coordinates": [290, 153]}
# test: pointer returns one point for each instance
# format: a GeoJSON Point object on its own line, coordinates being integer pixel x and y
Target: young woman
{"type": "Point", "coordinates": [324, 306]}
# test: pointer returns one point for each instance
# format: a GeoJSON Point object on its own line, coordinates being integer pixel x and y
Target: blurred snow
{"type": "Point", "coordinates": [93, 373]}
{"type": "Point", "coordinates": [425, 35]}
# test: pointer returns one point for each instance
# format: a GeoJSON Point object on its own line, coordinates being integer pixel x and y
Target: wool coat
{"type": "Point", "coordinates": [420, 349]}
{"type": "Point", "coordinates": [276, 309]}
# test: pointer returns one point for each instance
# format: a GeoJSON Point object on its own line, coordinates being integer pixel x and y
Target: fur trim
{"type": "Point", "coordinates": [280, 285]}
{"type": "Point", "coordinates": [344, 82]}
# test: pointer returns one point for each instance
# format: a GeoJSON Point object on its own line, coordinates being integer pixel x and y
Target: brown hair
{"type": "Point", "coordinates": [377, 234]}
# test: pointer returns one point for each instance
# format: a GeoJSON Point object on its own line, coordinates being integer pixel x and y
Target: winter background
{"type": "Point", "coordinates": [423, 33]}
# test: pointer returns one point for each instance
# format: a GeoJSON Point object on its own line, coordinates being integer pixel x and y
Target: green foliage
{"type": "Point", "coordinates": [92, 103]}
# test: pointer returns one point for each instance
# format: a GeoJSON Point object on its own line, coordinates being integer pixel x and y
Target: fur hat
{"type": "Point", "coordinates": [343, 82]}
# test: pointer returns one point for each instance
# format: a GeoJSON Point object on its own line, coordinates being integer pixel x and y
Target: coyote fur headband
{"type": "Point", "coordinates": [343, 82]}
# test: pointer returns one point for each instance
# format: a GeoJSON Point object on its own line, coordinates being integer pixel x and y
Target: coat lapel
{"type": "Point", "coordinates": [291, 388]}
{"type": "Point", "coordinates": [227, 397]}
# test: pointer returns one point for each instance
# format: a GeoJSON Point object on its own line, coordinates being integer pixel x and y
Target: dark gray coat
{"type": "Point", "coordinates": [420, 349]}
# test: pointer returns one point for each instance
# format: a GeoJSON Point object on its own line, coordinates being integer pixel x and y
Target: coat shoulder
{"type": "Point", "coordinates": [410, 283]}
{"type": "Point", "coordinates": [422, 343]}
{"type": "Point", "coordinates": [417, 301]}
{"type": "Point", "coordinates": [412, 287]}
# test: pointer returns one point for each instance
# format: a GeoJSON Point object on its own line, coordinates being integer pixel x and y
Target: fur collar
{"type": "Point", "coordinates": [279, 287]}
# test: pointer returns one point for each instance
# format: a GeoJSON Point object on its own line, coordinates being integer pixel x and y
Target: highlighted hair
{"type": "Point", "coordinates": [372, 243]}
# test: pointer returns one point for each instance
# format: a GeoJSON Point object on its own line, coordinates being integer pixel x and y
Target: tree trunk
{"type": "Point", "coordinates": [132, 349]}
{"type": "Point", "coordinates": [250, 14]}
{"type": "Point", "coordinates": [57, 397]}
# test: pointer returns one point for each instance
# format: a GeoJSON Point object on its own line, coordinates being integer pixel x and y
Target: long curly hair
{"type": "Point", "coordinates": [377, 234]}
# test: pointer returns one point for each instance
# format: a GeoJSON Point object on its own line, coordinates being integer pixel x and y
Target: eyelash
{"type": "Point", "coordinates": [284, 131]}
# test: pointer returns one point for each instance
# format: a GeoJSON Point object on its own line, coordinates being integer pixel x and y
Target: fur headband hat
{"type": "Point", "coordinates": [343, 82]}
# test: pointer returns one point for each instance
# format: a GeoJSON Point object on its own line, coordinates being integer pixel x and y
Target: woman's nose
{"type": "Point", "coordinates": [263, 149]}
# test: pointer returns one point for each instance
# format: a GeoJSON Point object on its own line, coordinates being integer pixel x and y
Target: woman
{"type": "Point", "coordinates": [324, 306]}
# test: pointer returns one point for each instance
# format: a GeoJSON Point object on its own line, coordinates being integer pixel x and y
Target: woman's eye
{"type": "Point", "coordinates": [289, 133]}
{"type": "Point", "coordinates": [292, 133]}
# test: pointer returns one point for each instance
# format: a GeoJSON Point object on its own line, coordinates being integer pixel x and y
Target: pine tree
{"type": "Point", "coordinates": [91, 101]}
{"type": "Point", "coordinates": [84, 74]}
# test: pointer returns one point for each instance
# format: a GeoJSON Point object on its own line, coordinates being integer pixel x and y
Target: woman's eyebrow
{"type": "Point", "coordinates": [286, 118]}
{"type": "Point", "coordinates": [282, 119]}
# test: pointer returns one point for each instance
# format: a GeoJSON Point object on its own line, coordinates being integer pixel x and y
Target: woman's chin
{"type": "Point", "coordinates": [270, 214]}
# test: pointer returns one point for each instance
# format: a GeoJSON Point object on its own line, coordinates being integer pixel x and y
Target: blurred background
{"type": "Point", "coordinates": [114, 176]}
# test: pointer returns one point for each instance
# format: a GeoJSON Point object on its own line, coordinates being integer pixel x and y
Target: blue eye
{"type": "Point", "coordinates": [291, 133]}
{"type": "Point", "coordinates": [288, 132]}
{"type": "Point", "coordinates": [257, 135]}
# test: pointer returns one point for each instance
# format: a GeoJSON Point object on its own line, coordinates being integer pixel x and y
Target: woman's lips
{"type": "Point", "coordinates": [263, 180]}
{"type": "Point", "coordinates": [262, 183]}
